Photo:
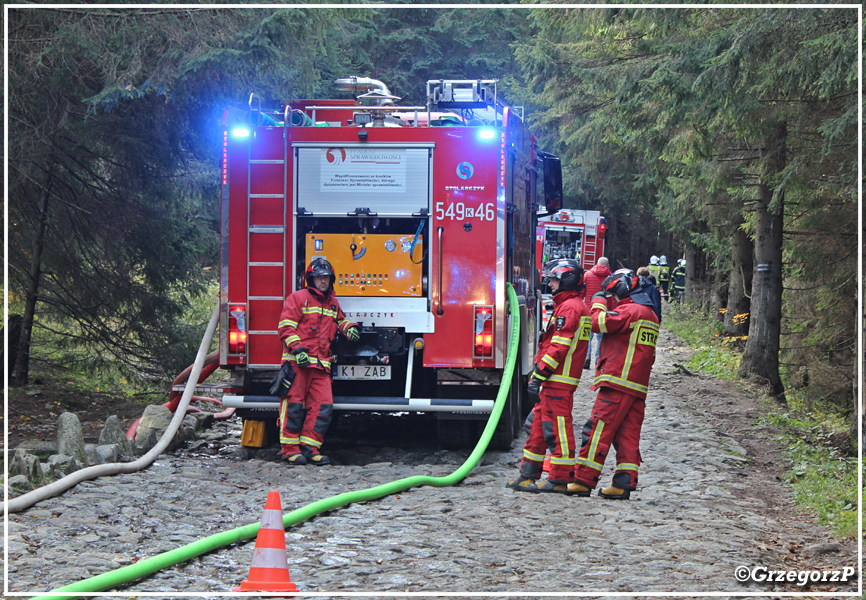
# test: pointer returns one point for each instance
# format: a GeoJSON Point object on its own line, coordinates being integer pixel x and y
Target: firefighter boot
{"type": "Point", "coordinates": [554, 487]}
{"type": "Point", "coordinates": [522, 485]}
{"type": "Point", "coordinates": [578, 489]}
{"type": "Point", "coordinates": [614, 493]}
{"type": "Point", "coordinates": [314, 458]}
{"type": "Point", "coordinates": [295, 458]}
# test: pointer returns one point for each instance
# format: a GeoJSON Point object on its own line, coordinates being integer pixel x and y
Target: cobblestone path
{"type": "Point", "coordinates": [707, 504]}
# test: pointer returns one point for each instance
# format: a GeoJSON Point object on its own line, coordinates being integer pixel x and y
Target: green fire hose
{"type": "Point", "coordinates": [147, 566]}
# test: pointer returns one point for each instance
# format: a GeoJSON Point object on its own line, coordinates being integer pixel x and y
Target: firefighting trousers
{"type": "Point", "coordinates": [552, 429]}
{"type": "Point", "coordinates": [306, 412]}
{"type": "Point", "coordinates": [616, 421]}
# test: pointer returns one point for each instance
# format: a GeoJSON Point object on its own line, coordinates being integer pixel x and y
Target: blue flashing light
{"type": "Point", "coordinates": [240, 132]}
{"type": "Point", "coordinates": [486, 134]}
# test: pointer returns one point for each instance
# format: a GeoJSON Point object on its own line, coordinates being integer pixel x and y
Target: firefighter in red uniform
{"type": "Point", "coordinates": [624, 314]}
{"type": "Point", "coordinates": [309, 322]}
{"type": "Point", "coordinates": [558, 366]}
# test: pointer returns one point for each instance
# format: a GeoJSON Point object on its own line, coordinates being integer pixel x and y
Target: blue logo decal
{"type": "Point", "coordinates": [465, 170]}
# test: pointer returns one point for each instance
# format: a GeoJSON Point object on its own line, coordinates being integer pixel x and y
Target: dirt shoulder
{"type": "Point", "coordinates": [733, 409]}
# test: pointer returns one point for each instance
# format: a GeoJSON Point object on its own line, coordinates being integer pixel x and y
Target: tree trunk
{"type": "Point", "coordinates": [22, 361]}
{"type": "Point", "coordinates": [761, 356]}
{"type": "Point", "coordinates": [739, 303]}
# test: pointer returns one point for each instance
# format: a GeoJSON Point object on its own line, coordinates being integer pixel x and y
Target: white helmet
{"type": "Point", "coordinates": [663, 260]}
{"type": "Point", "coordinates": [682, 262]}
{"type": "Point", "coordinates": [654, 260]}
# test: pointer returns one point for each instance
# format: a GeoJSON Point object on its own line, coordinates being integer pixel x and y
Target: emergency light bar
{"type": "Point", "coordinates": [240, 132]}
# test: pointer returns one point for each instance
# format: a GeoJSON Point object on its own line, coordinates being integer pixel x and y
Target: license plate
{"type": "Point", "coordinates": [363, 372]}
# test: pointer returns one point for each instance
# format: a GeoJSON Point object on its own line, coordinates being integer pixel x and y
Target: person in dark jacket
{"type": "Point", "coordinates": [648, 283]}
{"type": "Point", "coordinates": [593, 279]}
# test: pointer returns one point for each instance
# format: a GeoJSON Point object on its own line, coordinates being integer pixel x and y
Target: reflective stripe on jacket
{"type": "Point", "coordinates": [628, 345]}
{"type": "Point", "coordinates": [310, 320]}
{"type": "Point", "coordinates": [563, 345]}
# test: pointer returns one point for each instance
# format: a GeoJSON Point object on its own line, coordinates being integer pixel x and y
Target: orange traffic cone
{"type": "Point", "coordinates": [269, 571]}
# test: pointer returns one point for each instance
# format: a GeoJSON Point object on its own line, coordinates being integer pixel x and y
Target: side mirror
{"type": "Point", "coordinates": [551, 168]}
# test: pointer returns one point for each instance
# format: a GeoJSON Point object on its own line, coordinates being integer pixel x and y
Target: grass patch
{"type": "Point", "coordinates": [713, 353]}
{"type": "Point", "coordinates": [823, 480]}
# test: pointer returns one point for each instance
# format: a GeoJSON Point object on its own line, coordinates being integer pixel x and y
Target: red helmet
{"type": "Point", "coordinates": [623, 283]}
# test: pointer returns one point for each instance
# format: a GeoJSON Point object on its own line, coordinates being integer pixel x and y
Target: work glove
{"type": "Point", "coordinates": [537, 377]}
{"type": "Point", "coordinates": [533, 390]}
{"type": "Point", "coordinates": [303, 359]}
{"type": "Point", "coordinates": [601, 294]}
{"type": "Point", "coordinates": [282, 382]}
{"type": "Point", "coordinates": [353, 334]}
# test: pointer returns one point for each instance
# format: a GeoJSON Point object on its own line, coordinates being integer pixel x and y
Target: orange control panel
{"type": "Point", "coordinates": [371, 264]}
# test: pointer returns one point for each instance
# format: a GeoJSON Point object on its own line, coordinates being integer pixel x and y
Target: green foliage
{"type": "Point", "coordinates": [714, 354]}
{"type": "Point", "coordinates": [659, 115]}
{"type": "Point", "coordinates": [822, 479]}
{"type": "Point", "coordinates": [115, 128]}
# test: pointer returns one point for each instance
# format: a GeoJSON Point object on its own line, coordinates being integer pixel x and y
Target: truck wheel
{"type": "Point", "coordinates": [456, 434]}
{"type": "Point", "coordinates": [509, 421]}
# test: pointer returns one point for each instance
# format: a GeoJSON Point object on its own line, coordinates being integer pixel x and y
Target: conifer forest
{"type": "Point", "coordinates": [725, 136]}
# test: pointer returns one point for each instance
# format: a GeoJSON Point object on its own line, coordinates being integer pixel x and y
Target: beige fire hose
{"type": "Point", "coordinates": [61, 485]}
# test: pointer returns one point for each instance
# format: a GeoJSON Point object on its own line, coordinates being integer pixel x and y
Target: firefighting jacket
{"type": "Point", "coordinates": [628, 344]}
{"type": "Point", "coordinates": [310, 320]}
{"type": "Point", "coordinates": [664, 274]}
{"type": "Point", "coordinates": [562, 348]}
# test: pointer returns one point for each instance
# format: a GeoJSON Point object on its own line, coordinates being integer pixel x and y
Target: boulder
{"type": "Point", "coordinates": [60, 465]}
{"type": "Point", "coordinates": [70, 438]}
{"type": "Point", "coordinates": [108, 453]}
{"type": "Point", "coordinates": [90, 453]}
{"type": "Point", "coordinates": [153, 424]}
{"type": "Point", "coordinates": [27, 465]}
{"type": "Point", "coordinates": [112, 433]}
{"type": "Point", "coordinates": [39, 448]}
{"type": "Point", "coordinates": [19, 484]}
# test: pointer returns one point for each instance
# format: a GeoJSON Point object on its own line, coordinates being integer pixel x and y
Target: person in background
{"type": "Point", "coordinates": [593, 279]}
{"type": "Point", "coordinates": [552, 383]}
{"type": "Point", "coordinates": [623, 312]}
{"type": "Point", "coordinates": [648, 283]}
{"type": "Point", "coordinates": [664, 277]}
{"type": "Point", "coordinates": [678, 289]}
{"type": "Point", "coordinates": [654, 267]}
{"type": "Point", "coordinates": [309, 322]}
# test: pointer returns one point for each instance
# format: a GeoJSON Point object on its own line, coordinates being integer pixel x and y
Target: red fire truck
{"type": "Point", "coordinates": [425, 214]}
{"type": "Point", "coordinates": [568, 233]}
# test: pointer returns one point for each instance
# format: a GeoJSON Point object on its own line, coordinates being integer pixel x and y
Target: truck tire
{"type": "Point", "coordinates": [509, 422]}
{"type": "Point", "coordinates": [457, 434]}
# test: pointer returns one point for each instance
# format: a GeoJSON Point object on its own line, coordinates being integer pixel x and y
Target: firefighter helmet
{"type": "Point", "coordinates": [319, 266]}
{"type": "Point", "coordinates": [567, 270]}
{"type": "Point", "coordinates": [663, 260]}
{"type": "Point", "coordinates": [654, 260]}
{"type": "Point", "coordinates": [622, 283]}
{"type": "Point", "coordinates": [682, 262]}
